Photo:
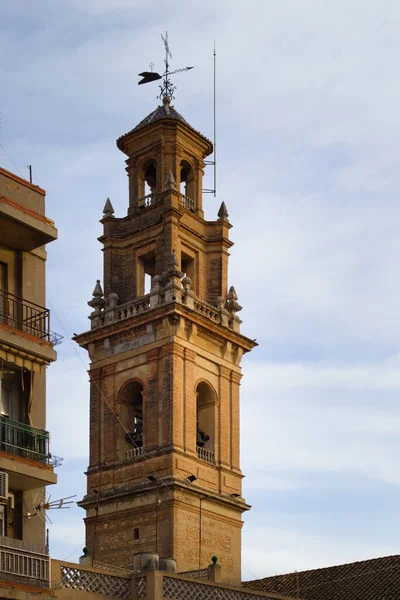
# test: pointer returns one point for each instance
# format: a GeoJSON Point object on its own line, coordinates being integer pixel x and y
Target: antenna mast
{"type": "Point", "coordinates": [214, 162]}
{"type": "Point", "coordinates": [215, 125]}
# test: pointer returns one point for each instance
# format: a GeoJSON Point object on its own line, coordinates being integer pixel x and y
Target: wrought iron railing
{"type": "Point", "coordinates": [25, 441]}
{"type": "Point", "coordinates": [27, 317]}
{"type": "Point", "coordinates": [206, 455]}
{"type": "Point", "coordinates": [24, 563]}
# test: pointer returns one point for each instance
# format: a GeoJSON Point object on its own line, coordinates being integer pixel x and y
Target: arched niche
{"type": "Point", "coordinates": [205, 412]}
{"type": "Point", "coordinates": [131, 415]}
{"type": "Point", "coordinates": [147, 182]}
{"type": "Point", "coordinates": [187, 183]}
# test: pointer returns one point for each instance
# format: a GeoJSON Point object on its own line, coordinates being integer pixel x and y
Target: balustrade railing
{"type": "Point", "coordinates": [25, 441]}
{"type": "Point", "coordinates": [188, 203]}
{"type": "Point", "coordinates": [206, 455]}
{"type": "Point", "coordinates": [147, 200]}
{"type": "Point", "coordinates": [134, 452]}
{"type": "Point", "coordinates": [27, 317]}
{"type": "Point", "coordinates": [24, 563]}
{"type": "Point", "coordinates": [206, 310]}
{"type": "Point", "coordinates": [131, 309]}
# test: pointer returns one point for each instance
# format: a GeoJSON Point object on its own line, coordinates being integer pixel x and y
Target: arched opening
{"type": "Point", "coordinates": [147, 184]}
{"type": "Point", "coordinates": [205, 431]}
{"type": "Point", "coordinates": [187, 188]}
{"type": "Point", "coordinates": [131, 414]}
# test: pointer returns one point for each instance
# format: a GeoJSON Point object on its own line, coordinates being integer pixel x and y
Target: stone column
{"type": "Point", "coordinates": [151, 408]}
{"type": "Point", "coordinates": [224, 432]}
{"type": "Point", "coordinates": [110, 423]}
{"type": "Point", "coordinates": [94, 411]}
{"type": "Point", "coordinates": [190, 403]}
{"type": "Point", "coordinates": [235, 419]}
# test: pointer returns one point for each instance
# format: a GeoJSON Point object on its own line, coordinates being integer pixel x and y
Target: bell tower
{"type": "Point", "coordinates": [165, 349]}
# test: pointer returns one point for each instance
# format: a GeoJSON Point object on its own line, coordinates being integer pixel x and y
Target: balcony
{"type": "Point", "coordinates": [30, 444]}
{"type": "Point", "coordinates": [206, 455]}
{"type": "Point", "coordinates": [33, 321]}
{"type": "Point", "coordinates": [24, 440]}
{"type": "Point", "coordinates": [24, 563]}
{"type": "Point", "coordinates": [22, 227]}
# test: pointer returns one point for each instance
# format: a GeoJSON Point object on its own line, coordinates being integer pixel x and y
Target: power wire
{"type": "Point", "coordinates": [93, 381]}
{"type": "Point", "coordinates": [5, 151]}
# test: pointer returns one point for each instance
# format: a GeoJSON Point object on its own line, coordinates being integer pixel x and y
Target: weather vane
{"type": "Point", "coordinates": [167, 88]}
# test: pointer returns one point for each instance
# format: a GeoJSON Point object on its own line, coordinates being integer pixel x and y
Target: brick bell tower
{"type": "Point", "coordinates": [165, 350]}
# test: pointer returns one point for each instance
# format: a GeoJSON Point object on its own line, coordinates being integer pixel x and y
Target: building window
{"type": "Point", "coordinates": [187, 185]}
{"type": "Point", "coordinates": [3, 291]}
{"type": "Point", "coordinates": [131, 412]}
{"type": "Point", "coordinates": [5, 398]}
{"type": "Point", "coordinates": [205, 432]}
{"type": "Point", "coordinates": [136, 533]}
{"type": "Point", "coordinates": [2, 519]}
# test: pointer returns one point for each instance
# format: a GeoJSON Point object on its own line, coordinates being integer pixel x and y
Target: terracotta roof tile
{"type": "Point", "coordinates": [162, 112]}
{"type": "Point", "coordinates": [374, 579]}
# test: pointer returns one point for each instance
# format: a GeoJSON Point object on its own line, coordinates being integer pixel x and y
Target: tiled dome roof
{"type": "Point", "coordinates": [161, 112]}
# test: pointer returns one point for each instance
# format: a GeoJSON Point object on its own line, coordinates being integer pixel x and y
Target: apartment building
{"type": "Point", "coordinates": [26, 349]}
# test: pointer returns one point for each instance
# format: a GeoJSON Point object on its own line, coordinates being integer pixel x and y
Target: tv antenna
{"type": "Point", "coordinates": [41, 505]}
{"type": "Point", "coordinates": [167, 88]}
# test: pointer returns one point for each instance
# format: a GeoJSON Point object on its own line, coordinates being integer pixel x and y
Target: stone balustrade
{"type": "Point", "coordinates": [168, 288]}
{"type": "Point", "coordinates": [206, 455]}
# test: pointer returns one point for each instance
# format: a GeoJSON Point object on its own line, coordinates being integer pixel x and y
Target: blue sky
{"type": "Point", "coordinates": [308, 132]}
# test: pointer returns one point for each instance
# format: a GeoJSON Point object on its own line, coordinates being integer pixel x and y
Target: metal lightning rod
{"type": "Point", "coordinates": [214, 162]}
{"type": "Point", "coordinates": [215, 124]}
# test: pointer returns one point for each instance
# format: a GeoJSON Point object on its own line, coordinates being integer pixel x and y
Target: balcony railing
{"type": "Point", "coordinates": [206, 455]}
{"type": "Point", "coordinates": [25, 441]}
{"type": "Point", "coordinates": [27, 317]}
{"type": "Point", "coordinates": [134, 452]}
{"type": "Point", "coordinates": [24, 563]}
{"type": "Point", "coordinates": [188, 203]}
{"type": "Point", "coordinates": [147, 200]}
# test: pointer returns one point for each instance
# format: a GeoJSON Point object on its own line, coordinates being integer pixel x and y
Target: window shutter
{"type": "Point", "coordinates": [3, 277]}
{"type": "Point", "coordinates": [3, 486]}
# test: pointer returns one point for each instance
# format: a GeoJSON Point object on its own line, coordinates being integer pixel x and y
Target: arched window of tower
{"type": "Point", "coordinates": [147, 183]}
{"type": "Point", "coordinates": [206, 406]}
{"type": "Point", "coordinates": [131, 415]}
{"type": "Point", "coordinates": [187, 187]}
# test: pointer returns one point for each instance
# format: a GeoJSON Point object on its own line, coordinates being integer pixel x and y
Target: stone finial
{"type": "Point", "coordinates": [223, 212]}
{"type": "Point", "coordinates": [231, 302]}
{"type": "Point", "coordinates": [98, 289]}
{"type": "Point", "coordinates": [112, 299]}
{"type": "Point", "coordinates": [97, 302]}
{"type": "Point", "coordinates": [108, 209]}
{"type": "Point", "coordinates": [220, 302]}
{"type": "Point", "coordinates": [187, 283]}
{"type": "Point", "coordinates": [170, 184]}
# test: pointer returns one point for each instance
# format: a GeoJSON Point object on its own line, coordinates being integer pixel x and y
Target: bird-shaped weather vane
{"type": "Point", "coordinates": [167, 88]}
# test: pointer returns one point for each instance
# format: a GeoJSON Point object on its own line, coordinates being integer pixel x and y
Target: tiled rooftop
{"type": "Point", "coordinates": [165, 111]}
{"type": "Point", "coordinates": [374, 579]}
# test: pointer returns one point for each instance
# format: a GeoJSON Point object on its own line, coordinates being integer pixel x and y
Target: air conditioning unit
{"type": "Point", "coordinates": [3, 486]}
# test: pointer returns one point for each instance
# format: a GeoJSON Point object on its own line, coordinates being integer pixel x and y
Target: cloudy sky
{"type": "Point", "coordinates": [308, 134]}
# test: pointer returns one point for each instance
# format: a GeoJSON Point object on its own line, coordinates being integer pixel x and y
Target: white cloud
{"type": "Point", "coordinates": [308, 132]}
{"type": "Point", "coordinates": [272, 550]}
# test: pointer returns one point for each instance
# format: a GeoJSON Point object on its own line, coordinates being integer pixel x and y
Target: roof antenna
{"type": "Point", "coordinates": [29, 167]}
{"type": "Point", "coordinates": [214, 162]}
{"type": "Point", "coordinates": [167, 88]}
